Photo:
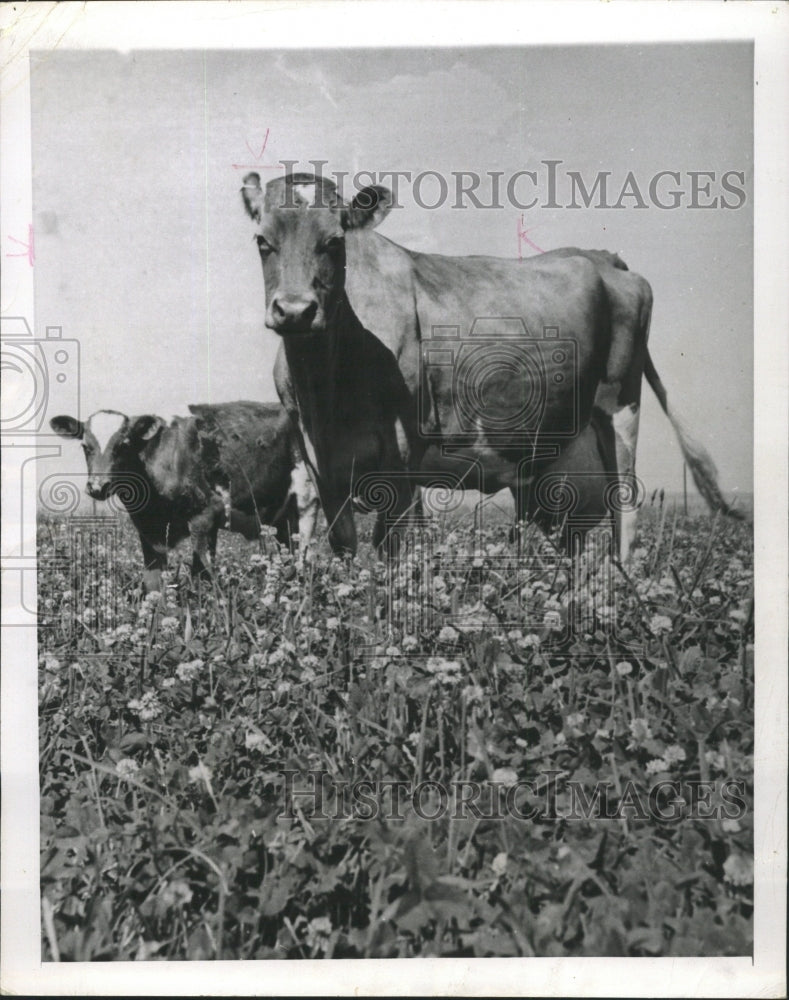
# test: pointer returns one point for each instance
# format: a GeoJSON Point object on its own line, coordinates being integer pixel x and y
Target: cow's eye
{"type": "Point", "coordinates": [333, 244]}
{"type": "Point", "coordinates": [263, 244]}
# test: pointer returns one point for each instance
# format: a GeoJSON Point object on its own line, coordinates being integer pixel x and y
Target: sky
{"type": "Point", "coordinates": [144, 253]}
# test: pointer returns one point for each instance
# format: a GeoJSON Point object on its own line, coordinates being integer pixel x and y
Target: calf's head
{"type": "Point", "coordinates": [301, 224]}
{"type": "Point", "coordinates": [112, 445]}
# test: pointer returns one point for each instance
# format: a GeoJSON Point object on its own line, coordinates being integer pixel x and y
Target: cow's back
{"type": "Point", "coordinates": [248, 448]}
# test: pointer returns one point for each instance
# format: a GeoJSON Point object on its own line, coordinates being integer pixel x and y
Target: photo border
{"type": "Point", "coordinates": [360, 23]}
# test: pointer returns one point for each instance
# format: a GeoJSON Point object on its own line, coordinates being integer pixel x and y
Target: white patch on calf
{"type": "Point", "coordinates": [103, 425]}
{"type": "Point", "coordinates": [625, 423]}
{"type": "Point", "coordinates": [224, 495]}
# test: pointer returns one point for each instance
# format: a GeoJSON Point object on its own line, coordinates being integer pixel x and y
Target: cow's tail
{"type": "Point", "coordinates": [698, 459]}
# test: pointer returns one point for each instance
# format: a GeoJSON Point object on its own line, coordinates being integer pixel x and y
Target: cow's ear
{"type": "Point", "coordinates": [68, 427]}
{"type": "Point", "coordinates": [252, 195]}
{"type": "Point", "coordinates": [145, 428]}
{"type": "Point", "coordinates": [368, 209]}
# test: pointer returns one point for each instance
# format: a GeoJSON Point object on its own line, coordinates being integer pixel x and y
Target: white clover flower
{"type": "Point", "coordinates": [122, 631]}
{"type": "Point", "coordinates": [715, 599]}
{"type": "Point", "coordinates": [364, 576]}
{"type": "Point", "coordinates": [267, 600]}
{"type": "Point", "coordinates": [738, 869]}
{"type": "Point", "coordinates": [640, 731]}
{"type": "Point", "coordinates": [624, 668]}
{"type": "Point", "coordinates": [674, 754]}
{"type": "Point", "coordinates": [660, 624]}
{"type": "Point", "coordinates": [446, 671]}
{"type": "Point", "coordinates": [126, 767]}
{"type": "Point", "coordinates": [148, 707]}
{"type": "Point", "coordinates": [489, 593]}
{"type": "Point", "coordinates": [189, 671]}
{"type": "Point", "coordinates": [392, 651]}
{"type": "Point", "coordinates": [168, 682]}
{"type": "Point", "coordinates": [730, 825]}
{"type": "Point", "coordinates": [168, 624]}
{"type": "Point", "coordinates": [318, 931]}
{"type": "Point", "coordinates": [255, 740]}
{"type": "Point", "coordinates": [51, 663]}
{"type": "Point", "coordinates": [505, 776]}
{"type": "Point", "coordinates": [282, 688]}
{"type": "Point", "coordinates": [657, 765]}
{"type": "Point", "coordinates": [552, 620]}
{"type": "Point", "coordinates": [499, 863]}
{"type": "Point", "coordinates": [344, 590]}
{"type": "Point", "coordinates": [473, 694]}
{"type": "Point", "coordinates": [332, 624]}
{"type": "Point", "coordinates": [575, 720]}
{"type": "Point", "coordinates": [201, 773]}
{"type": "Point", "coordinates": [448, 634]}
{"type": "Point", "coordinates": [410, 642]}
{"type": "Point", "coordinates": [530, 641]}
{"type": "Point", "coordinates": [560, 739]}
{"type": "Point", "coordinates": [601, 734]}
{"type": "Point", "coordinates": [256, 559]}
{"type": "Point", "coordinates": [715, 760]}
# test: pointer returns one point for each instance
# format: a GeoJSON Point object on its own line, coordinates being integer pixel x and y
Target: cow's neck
{"type": "Point", "coordinates": [315, 364]}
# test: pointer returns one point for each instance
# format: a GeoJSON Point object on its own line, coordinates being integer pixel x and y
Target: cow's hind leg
{"type": "Point", "coordinates": [624, 501]}
{"type": "Point", "coordinates": [204, 529]}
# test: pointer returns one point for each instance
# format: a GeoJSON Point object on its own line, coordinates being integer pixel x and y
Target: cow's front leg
{"type": "Point", "coordinates": [392, 524]}
{"type": "Point", "coordinates": [306, 505]}
{"type": "Point", "coordinates": [154, 561]}
{"type": "Point", "coordinates": [342, 528]}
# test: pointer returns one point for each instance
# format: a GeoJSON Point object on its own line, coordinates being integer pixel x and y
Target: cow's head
{"type": "Point", "coordinates": [300, 233]}
{"type": "Point", "coordinates": [112, 444]}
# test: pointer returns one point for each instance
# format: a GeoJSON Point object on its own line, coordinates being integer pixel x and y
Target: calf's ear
{"type": "Point", "coordinates": [68, 427]}
{"type": "Point", "coordinates": [252, 196]}
{"type": "Point", "coordinates": [145, 428]}
{"type": "Point", "coordinates": [368, 209]}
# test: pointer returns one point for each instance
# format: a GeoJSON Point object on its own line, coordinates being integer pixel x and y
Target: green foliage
{"type": "Point", "coordinates": [165, 741]}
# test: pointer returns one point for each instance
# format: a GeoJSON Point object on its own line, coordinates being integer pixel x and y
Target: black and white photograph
{"type": "Point", "coordinates": [394, 498]}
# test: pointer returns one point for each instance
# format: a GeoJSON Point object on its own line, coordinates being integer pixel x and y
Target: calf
{"type": "Point", "coordinates": [234, 466]}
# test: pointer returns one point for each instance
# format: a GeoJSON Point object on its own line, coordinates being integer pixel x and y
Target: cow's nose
{"type": "Point", "coordinates": [293, 313]}
{"type": "Point", "coordinates": [97, 490]}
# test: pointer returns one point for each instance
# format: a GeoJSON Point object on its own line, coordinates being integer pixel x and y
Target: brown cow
{"type": "Point", "coordinates": [503, 360]}
{"type": "Point", "coordinates": [233, 465]}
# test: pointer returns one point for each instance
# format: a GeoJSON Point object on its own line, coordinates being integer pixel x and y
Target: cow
{"type": "Point", "coordinates": [231, 465]}
{"type": "Point", "coordinates": [320, 254]}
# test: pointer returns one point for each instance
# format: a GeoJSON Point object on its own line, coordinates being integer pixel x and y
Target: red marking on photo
{"type": "Point", "coordinates": [523, 238]}
{"type": "Point", "coordinates": [30, 246]}
{"type": "Point", "coordinates": [258, 157]}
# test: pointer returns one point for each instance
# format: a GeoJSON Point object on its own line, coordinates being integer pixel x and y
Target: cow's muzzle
{"type": "Point", "coordinates": [98, 490]}
{"type": "Point", "coordinates": [292, 314]}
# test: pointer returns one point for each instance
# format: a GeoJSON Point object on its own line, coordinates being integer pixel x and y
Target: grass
{"type": "Point", "coordinates": [182, 736]}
